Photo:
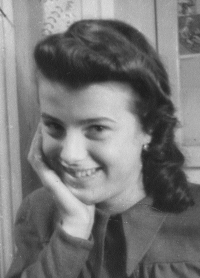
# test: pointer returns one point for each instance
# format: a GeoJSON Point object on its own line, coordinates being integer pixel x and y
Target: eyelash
{"type": "Point", "coordinates": [98, 128]}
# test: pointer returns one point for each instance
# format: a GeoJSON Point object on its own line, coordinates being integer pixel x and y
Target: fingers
{"type": "Point", "coordinates": [37, 160]}
{"type": "Point", "coordinates": [35, 152]}
{"type": "Point", "coordinates": [48, 176]}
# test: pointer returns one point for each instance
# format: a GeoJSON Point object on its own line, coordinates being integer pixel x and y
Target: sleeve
{"type": "Point", "coordinates": [59, 256]}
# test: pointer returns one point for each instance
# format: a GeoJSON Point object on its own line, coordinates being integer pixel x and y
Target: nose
{"type": "Point", "coordinates": [73, 148]}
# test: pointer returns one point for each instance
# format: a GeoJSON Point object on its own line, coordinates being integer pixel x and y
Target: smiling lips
{"type": "Point", "coordinates": [81, 173]}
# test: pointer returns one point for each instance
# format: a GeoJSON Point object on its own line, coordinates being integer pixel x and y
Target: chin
{"type": "Point", "coordinates": [83, 196]}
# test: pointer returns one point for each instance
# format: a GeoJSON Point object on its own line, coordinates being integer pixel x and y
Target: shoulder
{"type": "Point", "coordinates": [178, 239]}
{"type": "Point", "coordinates": [41, 198]}
{"type": "Point", "coordinates": [186, 224]}
{"type": "Point", "coordinates": [38, 202]}
{"type": "Point", "coordinates": [190, 217]}
{"type": "Point", "coordinates": [37, 213]}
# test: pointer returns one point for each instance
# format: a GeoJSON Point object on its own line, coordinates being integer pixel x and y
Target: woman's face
{"type": "Point", "coordinates": [93, 141]}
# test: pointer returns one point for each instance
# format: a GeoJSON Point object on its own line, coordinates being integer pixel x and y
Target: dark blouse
{"type": "Point", "coordinates": [141, 242]}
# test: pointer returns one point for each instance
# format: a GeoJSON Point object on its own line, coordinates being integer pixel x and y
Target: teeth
{"type": "Point", "coordinates": [82, 173]}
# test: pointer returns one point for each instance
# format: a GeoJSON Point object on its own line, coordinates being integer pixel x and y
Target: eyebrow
{"type": "Point", "coordinates": [48, 117]}
{"type": "Point", "coordinates": [82, 121]}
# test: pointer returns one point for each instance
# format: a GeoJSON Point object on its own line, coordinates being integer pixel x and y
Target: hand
{"type": "Point", "coordinates": [76, 217]}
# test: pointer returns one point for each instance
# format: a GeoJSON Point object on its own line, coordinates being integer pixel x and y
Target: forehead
{"type": "Point", "coordinates": [98, 97]}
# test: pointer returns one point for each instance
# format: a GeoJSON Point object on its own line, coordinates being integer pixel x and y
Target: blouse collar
{"type": "Point", "coordinates": [141, 224]}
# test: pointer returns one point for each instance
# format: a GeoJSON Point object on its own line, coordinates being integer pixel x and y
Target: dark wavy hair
{"type": "Point", "coordinates": [110, 50]}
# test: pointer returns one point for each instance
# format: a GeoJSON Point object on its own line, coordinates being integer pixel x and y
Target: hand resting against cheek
{"type": "Point", "coordinates": [76, 218]}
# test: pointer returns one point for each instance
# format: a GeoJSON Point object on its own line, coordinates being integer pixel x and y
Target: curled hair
{"type": "Point", "coordinates": [110, 50]}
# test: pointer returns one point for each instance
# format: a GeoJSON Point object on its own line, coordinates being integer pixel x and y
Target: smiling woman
{"type": "Point", "coordinates": [105, 153]}
{"type": "Point", "coordinates": [82, 137]}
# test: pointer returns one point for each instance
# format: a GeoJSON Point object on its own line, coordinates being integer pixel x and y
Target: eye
{"type": "Point", "coordinates": [98, 128]}
{"type": "Point", "coordinates": [54, 129]}
{"type": "Point", "coordinates": [97, 132]}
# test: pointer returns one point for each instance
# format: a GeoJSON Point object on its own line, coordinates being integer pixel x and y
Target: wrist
{"type": "Point", "coordinates": [76, 228]}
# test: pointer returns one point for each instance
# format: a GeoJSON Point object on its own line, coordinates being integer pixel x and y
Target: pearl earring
{"type": "Point", "coordinates": [145, 147]}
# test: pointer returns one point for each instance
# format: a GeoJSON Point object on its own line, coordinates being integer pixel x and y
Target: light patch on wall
{"type": "Point", "coordinates": [59, 14]}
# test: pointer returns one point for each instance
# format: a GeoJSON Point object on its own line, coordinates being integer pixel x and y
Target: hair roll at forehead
{"type": "Point", "coordinates": [98, 50]}
{"type": "Point", "coordinates": [108, 50]}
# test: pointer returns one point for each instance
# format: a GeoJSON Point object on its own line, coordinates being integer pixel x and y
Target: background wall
{"type": "Point", "coordinates": [190, 86]}
{"type": "Point", "coordinates": [138, 13]}
{"type": "Point", "coordinates": [28, 18]}
{"type": "Point", "coordinates": [190, 92]}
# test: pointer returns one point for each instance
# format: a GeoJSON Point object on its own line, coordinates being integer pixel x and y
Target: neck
{"type": "Point", "coordinates": [124, 201]}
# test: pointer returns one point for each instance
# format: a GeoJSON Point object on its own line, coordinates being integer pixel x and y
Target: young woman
{"type": "Point", "coordinates": [115, 201]}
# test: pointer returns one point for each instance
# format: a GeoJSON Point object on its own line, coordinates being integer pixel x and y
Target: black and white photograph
{"type": "Point", "coordinates": [100, 139]}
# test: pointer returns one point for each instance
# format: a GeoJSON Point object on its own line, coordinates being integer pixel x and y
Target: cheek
{"type": "Point", "coordinates": [123, 154]}
{"type": "Point", "coordinates": [115, 153]}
